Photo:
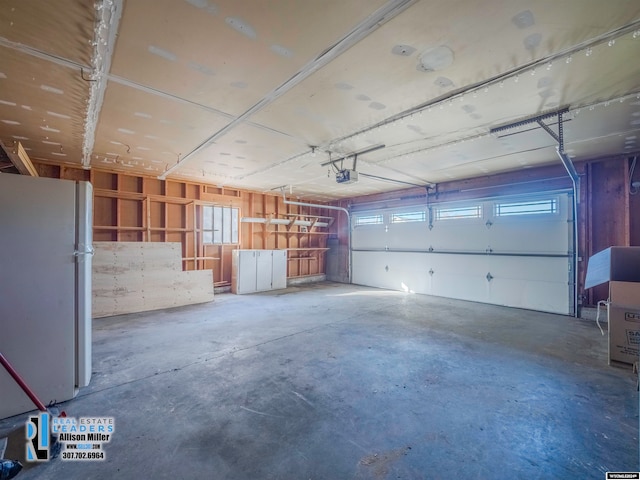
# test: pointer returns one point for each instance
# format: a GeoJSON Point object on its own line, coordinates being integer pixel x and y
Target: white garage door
{"type": "Point", "coordinates": [513, 251]}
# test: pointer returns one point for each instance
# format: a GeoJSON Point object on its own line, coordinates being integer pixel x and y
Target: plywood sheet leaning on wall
{"type": "Point", "coordinates": [131, 277]}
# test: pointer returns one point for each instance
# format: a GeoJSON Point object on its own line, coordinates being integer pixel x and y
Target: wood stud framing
{"type": "Point", "coordinates": [130, 208]}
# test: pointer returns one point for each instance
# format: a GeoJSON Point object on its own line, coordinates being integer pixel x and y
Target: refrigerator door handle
{"type": "Point", "coordinates": [88, 251]}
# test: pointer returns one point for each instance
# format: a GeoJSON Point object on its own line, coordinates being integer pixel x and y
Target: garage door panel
{"type": "Point", "coordinates": [369, 270]}
{"type": "Point", "coordinates": [534, 295]}
{"type": "Point", "coordinates": [459, 276]}
{"type": "Point", "coordinates": [413, 235]}
{"type": "Point", "coordinates": [461, 287]}
{"type": "Point", "coordinates": [534, 268]}
{"type": "Point", "coordinates": [535, 232]}
{"type": "Point", "coordinates": [458, 264]}
{"type": "Point", "coordinates": [392, 270]}
{"type": "Point", "coordinates": [412, 270]}
{"type": "Point", "coordinates": [528, 235]}
{"type": "Point", "coordinates": [461, 235]}
{"type": "Point", "coordinates": [536, 283]}
{"type": "Point", "coordinates": [369, 236]}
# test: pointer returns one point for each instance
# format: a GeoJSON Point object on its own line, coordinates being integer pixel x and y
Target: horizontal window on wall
{"type": "Point", "coordinates": [403, 217]}
{"type": "Point", "coordinates": [219, 225]}
{"type": "Point", "coordinates": [368, 220]}
{"type": "Point", "coordinates": [534, 207]}
{"type": "Point", "coordinates": [450, 213]}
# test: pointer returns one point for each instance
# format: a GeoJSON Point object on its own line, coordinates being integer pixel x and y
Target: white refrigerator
{"type": "Point", "coordinates": [45, 288]}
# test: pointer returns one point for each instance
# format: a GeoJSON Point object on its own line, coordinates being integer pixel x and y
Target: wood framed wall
{"type": "Point", "coordinates": [131, 208]}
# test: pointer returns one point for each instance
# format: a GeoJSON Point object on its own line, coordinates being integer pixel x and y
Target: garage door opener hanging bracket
{"type": "Point", "coordinates": [571, 170]}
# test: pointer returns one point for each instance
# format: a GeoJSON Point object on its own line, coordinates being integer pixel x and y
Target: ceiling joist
{"type": "Point", "coordinates": [234, 93]}
{"type": "Point", "coordinates": [18, 156]}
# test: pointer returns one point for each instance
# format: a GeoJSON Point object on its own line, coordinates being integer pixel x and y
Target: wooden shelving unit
{"type": "Point", "coordinates": [133, 208]}
{"type": "Point", "coordinates": [301, 230]}
{"type": "Point", "coordinates": [151, 210]}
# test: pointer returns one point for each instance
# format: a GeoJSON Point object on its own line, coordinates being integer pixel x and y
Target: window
{"type": "Point", "coordinates": [368, 220]}
{"type": "Point", "coordinates": [219, 225]}
{"type": "Point", "coordinates": [403, 217]}
{"type": "Point", "coordinates": [535, 207]}
{"type": "Point", "coordinates": [474, 211]}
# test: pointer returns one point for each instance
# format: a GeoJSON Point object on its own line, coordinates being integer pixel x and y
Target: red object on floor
{"type": "Point", "coordinates": [25, 388]}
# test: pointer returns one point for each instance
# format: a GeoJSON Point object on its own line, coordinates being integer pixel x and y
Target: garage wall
{"type": "Point", "coordinates": [607, 216]}
{"type": "Point", "coordinates": [518, 255]}
{"type": "Point", "coordinates": [612, 214]}
{"type": "Point", "coordinates": [132, 208]}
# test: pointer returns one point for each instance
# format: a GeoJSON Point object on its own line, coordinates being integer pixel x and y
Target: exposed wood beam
{"type": "Point", "coordinates": [104, 40]}
{"type": "Point", "coordinates": [20, 159]}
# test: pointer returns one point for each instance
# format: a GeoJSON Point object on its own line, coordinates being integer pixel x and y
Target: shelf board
{"type": "Point", "coordinates": [153, 229]}
{"type": "Point", "coordinates": [116, 227]}
{"type": "Point", "coordinates": [304, 215]}
{"type": "Point", "coordinates": [170, 229]}
{"type": "Point", "coordinates": [184, 259]}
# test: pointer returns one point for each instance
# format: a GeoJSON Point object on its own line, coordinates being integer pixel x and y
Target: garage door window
{"type": "Point", "coordinates": [368, 220]}
{"type": "Point", "coordinates": [403, 217]}
{"type": "Point", "coordinates": [537, 207]}
{"type": "Point", "coordinates": [473, 211]}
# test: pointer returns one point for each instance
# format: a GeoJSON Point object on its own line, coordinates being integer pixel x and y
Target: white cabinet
{"type": "Point", "coordinates": [279, 275]}
{"type": "Point", "coordinates": [258, 270]}
{"type": "Point", "coordinates": [264, 270]}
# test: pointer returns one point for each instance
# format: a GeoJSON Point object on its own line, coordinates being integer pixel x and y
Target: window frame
{"type": "Point", "coordinates": [394, 217]}
{"type": "Point", "coordinates": [477, 207]}
{"type": "Point", "coordinates": [553, 210]}
{"type": "Point", "coordinates": [224, 227]}
{"type": "Point", "coordinates": [358, 217]}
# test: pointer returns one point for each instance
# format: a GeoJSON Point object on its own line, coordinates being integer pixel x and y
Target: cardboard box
{"type": "Point", "coordinates": [624, 322]}
{"type": "Point", "coordinates": [620, 266]}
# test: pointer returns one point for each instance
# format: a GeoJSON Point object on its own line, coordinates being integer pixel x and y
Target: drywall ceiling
{"type": "Point", "coordinates": [260, 95]}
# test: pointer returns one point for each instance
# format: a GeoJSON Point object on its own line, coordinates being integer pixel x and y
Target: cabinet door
{"type": "Point", "coordinates": [279, 277]}
{"type": "Point", "coordinates": [264, 268]}
{"type": "Point", "coordinates": [246, 271]}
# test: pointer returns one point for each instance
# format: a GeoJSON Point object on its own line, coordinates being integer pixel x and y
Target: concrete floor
{"type": "Point", "coordinates": [336, 381]}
